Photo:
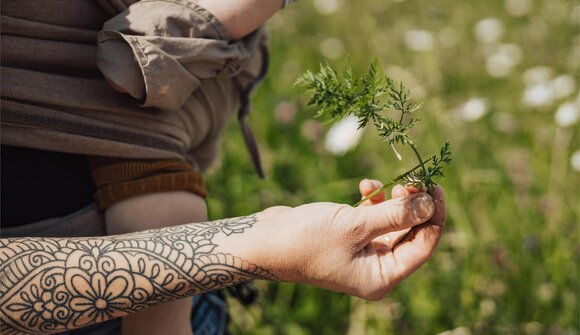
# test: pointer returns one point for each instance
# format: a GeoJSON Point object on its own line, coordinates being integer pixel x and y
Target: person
{"type": "Point", "coordinates": [188, 63]}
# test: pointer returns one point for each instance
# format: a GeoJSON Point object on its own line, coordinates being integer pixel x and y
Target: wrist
{"type": "Point", "coordinates": [249, 241]}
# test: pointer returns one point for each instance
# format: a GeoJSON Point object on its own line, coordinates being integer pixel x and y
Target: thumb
{"type": "Point", "coordinates": [396, 214]}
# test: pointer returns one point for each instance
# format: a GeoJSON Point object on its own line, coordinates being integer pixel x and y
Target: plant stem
{"type": "Point", "coordinates": [391, 183]}
{"type": "Point", "coordinates": [412, 145]}
{"type": "Point", "coordinates": [377, 191]}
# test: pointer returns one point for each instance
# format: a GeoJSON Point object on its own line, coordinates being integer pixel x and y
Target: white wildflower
{"type": "Point", "coordinates": [539, 95]}
{"type": "Point", "coordinates": [575, 161]}
{"type": "Point", "coordinates": [503, 60]}
{"type": "Point", "coordinates": [343, 136]}
{"type": "Point", "coordinates": [332, 48]}
{"type": "Point", "coordinates": [498, 65]}
{"type": "Point", "coordinates": [532, 328]}
{"type": "Point", "coordinates": [327, 7]}
{"type": "Point", "coordinates": [546, 291]}
{"type": "Point", "coordinates": [537, 75]}
{"type": "Point", "coordinates": [472, 110]}
{"type": "Point", "coordinates": [489, 30]}
{"type": "Point", "coordinates": [518, 7]}
{"type": "Point", "coordinates": [567, 114]}
{"type": "Point", "coordinates": [513, 51]}
{"type": "Point", "coordinates": [487, 307]}
{"type": "Point", "coordinates": [564, 85]}
{"type": "Point", "coordinates": [419, 40]}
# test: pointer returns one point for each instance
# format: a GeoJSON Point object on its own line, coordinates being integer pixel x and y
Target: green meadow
{"type": "Point", "coordinates": [499, 80]}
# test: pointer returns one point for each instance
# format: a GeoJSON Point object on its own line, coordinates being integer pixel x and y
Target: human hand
{"type": "Point", "coordinates": [367, 187]}
{"type": "Point", "coordinates": [360, 251]}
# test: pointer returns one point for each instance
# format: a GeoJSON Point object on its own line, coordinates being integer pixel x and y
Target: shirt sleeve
{"type": "Point", "coordinates": [159, 51]}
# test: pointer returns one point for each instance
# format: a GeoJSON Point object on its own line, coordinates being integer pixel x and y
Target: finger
{"type": "Point", "coordinates": [368, 186]}
{"type": "Point", "coordinates": [413, 252]}
{"type": "Point", "coordinates": [393, 215]}
{"type": "Point", "coordinates": [414, 189]}
{"type": "Point", "coordinates": [399, 191]}
{"type": "Point", "coordinates": [387, 242]}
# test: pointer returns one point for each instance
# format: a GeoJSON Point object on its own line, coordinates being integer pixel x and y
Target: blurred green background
{"type": "Point", "coordinates": [499, 80]}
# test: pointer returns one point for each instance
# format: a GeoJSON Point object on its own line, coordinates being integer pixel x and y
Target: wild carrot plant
{"type": "Point", "coordinates": [373, 99]}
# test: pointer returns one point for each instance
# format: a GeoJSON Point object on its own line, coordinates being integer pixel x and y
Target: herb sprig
{"type": "Point", "coordinates": [372, 98]}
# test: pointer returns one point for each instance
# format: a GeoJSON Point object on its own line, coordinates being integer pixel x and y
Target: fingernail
{"type": "Point", "coordinates": [423, 206]}
{"type": "Point", "coordinates": [376, 184]}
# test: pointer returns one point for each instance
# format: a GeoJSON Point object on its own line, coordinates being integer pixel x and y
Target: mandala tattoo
{"type": "Point", "coordinates": [50, 285]}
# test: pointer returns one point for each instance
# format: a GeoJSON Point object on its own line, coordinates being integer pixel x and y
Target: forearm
{"type": "Point", "coordinates": [241, 17]}
{"type": "Point", "coordinates": [54, 284]}
{"type": "Point", "coordinates": [49, 285]}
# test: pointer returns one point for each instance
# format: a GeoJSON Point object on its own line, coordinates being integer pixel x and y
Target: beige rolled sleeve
{"type": "Point", "coordinates": [159, 51]}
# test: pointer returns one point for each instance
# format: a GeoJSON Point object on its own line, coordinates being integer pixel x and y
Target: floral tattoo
{"type": "Point", "coordinates": [50, 285]}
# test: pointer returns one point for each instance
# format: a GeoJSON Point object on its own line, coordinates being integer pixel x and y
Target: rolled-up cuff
{"type": "Point", "coordinates": [160, 51]}
{"type": "Point", "coordinates": [118, 179]}
{"type": "Point", "coordinates": [144, 70]}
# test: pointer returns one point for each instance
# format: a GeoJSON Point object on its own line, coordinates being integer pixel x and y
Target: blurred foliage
{"type": "Point", "coordinates": [508, 262]}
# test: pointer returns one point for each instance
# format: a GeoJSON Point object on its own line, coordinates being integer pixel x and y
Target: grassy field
{"type": "Point", "coordinates": [499, 80]}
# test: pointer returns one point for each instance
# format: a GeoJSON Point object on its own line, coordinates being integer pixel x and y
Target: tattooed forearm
{"type": "Point", "coordinates": [50, 285]}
